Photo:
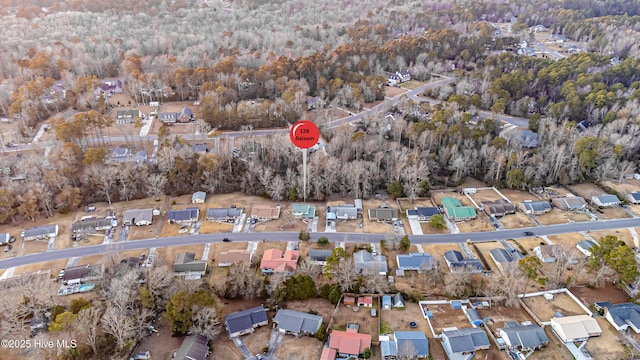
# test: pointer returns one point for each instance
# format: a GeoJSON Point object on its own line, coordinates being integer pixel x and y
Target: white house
{"type": "Point", "coordinates": [585, 246]}
{"type": "Point", "coordinates": [634, 197]}
{"type": "Point", "coordinates": [575, 328]}
{"type": "Point", "coordinates": [198, 197]}
{"type": "Point", "coordinates": [605, 200]}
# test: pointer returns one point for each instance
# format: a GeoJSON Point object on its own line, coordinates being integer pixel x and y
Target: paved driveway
{"type": "Point", "coordinates": [416, 229]}
{"type": "Point", "coordinates": [243, 348]}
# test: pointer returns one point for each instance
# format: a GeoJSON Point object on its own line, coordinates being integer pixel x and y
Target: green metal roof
{"type": "Point", "coordinates": [456, 209]}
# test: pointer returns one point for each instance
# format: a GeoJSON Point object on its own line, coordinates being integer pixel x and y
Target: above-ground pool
{"type": "Point", "coordinates": [85, 287]}
{"type": "Point", "coordinates": [413, 324]}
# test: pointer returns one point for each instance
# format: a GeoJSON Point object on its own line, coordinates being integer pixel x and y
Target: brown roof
{"type": "Point", "coordinates": [234, 257]}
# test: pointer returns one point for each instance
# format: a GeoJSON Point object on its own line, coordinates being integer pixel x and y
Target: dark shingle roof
{"type": "Point", "coordinates": [526, 336]}
{"type": "Point", "coordinates": [194, 347]}
{"type": "Point", "coordinates": [627, 313]}
{"type": "Point", "coordinates": [319, 255]}
{"type": "Point", "coordinates": [467, 340]}
{"type": "Point", "coordinates": [245, 319]}
{"type": "Point", "coordinates": [501, 255]}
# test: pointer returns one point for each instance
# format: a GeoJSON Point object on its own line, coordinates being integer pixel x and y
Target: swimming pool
{"type": "Point", "coordinates": [85, 287]}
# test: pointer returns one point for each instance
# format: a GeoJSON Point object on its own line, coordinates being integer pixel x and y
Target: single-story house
{"type": "Point", "coordinates": [275, 261]}
{"type": "Point", "coordinates": [140, 156]}
{"type": "Point", "coordinates": [349, 301]}
{"type": "Point", "coordinates": [365, 301]}
{"type": "Point", "coordinates": [296, 322]}
{"type": "Point", "coordinates": [228, 258]}
{"type": "Point", "coordinates": [535, 207]}
{"type": "Point", "coordinates": [349, 343]}
{"type": "Point", "coordinates": [186, 263]}
{"type": "Point", "coordinates": [498, 208]}
{"type": "Point", "coordinates": [399, 77]}
{"type": "Point", "coordinates": [90, 226]}
{"type": "Point", "coordinates": [575, 328]}
{"type": "Point", "coordinates": [343, 212]}
{"type": "Point", "coordinates": [265, 212]}
{"type": "Point", "coordinates": [397, 344]}
{"type": "Point", "coordinates": [398, 300]}
{"type": "Point", "coordinates": [198, 197]}
{"type": "Point", "coordinates": [223, 214]}
{"type": "Point", "coordinates": [547, 253]}
{"type": "Point", "coordinates": [456, 211]}
{"type": "Point", "coordinates": [366, 262]}
{"type": "Point", "coordinates": [383, 214]}
{"type": "Point", "coordinates": [458, 263]}
{"type": "Point", "coordinates": [194, 347]}
{"type": "Point", "coordinates": [245, 321]}
{"type": "Point", "coordinates": [605, 200]}
{"type": "Point", "coordinates": [303, 211]}
{"type": "Point", "coordinates": [127, 116]}
{"type": "Point", "coordinates": [634, 197]}
{"type": "Point", "coordinates": [319, 257]}
{"type": "Point", "coordinates": [137, 217]}
{"type": "Point", "coordinates": [463, 343]}
{"type": "Point", "coordinates": [119, 154]}
{"type": "Point", "coordinates": [414, 261]}
{"type": "Point", "coordinates": [501, 256]}
{"type": "Point", "coordinates": [623, 316]}
{"type": "Point", "coordinates": [185, 115]}
{"type": "Point", "coordinates": [82, 273]}
{"type": "Point", "coordinates": [40, 232]}
{"type": "Point", "coordinates": [423, 213]}
{"type": "Point", "coordinates": [585, 246]}
{"type": "Point", "coordinates": [570, 203]}
{"type": "Point", "coordinates": [386, 302]}
{"type": "Point", "coordinates": [523, 337]}
{"type": "Point", "coordinates": [187, 215]}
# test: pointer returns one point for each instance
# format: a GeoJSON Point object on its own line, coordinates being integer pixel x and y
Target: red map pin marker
{"type": "Point", "coordinates": [304, 134]}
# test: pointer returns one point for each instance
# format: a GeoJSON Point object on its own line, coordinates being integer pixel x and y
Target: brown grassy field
{"type": "Point", "coordinates": [625, 187]}
{"type": "Point", "coordinates": [609, 345]}
{"type": "Point", "coordinates": [145, 232]}
{"type": "Point", "coordinates": [485, 248]}
{"type": "Point", "coordinates": [517, 197]}
{"type": "Point", "coordinates": [586, 190]}
{"type": "Point", "coordinates": [391, 91]}
{"type": "Point", "coordinates": [568, 239]}
{"type": "Point", "coordinates": [398, 320]}
{"type": "Point", "coordinates": [609, 292]}
{"type": "Point", "coordinates": [557, 216]}
{"type": "Point", "coordinates": [527, 243]}
{"type": "Point", "coordinates": [481, 223]}
{"type": "Point", "coordinates": [621, 234]}
{"type": "Point", "coordinates": [437, 197]}
{"type": "Point", "coordinates": [168, 254]}
{"type": "Point", "coordinates": [53, 266]}
{"type": "Point", "coordinates": [323, 115]}
{"type": "Point", "coordinates": [368, 324]}
{"type": "Point", "coordinates": [304, 348]}
{"type": "Point", "coordinates": [485, 195]}
{"type": "Point", "coordinates": [444, 316]}
{"type": "Point", "coordinates": [427, 229]}
{"type": "Point", "coordinates": [613, 213]}
{"type": "Point", "coordinates": [516, 221]}
{"type": "Point", "coordinates": [545, 309]}
{"type": "Point", "coordinates": [420, 202]}
{"type": "Point", "coordinates": [211, 227]}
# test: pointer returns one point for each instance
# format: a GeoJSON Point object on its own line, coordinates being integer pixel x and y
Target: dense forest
{"type": "Point", "coordinates": [169, 53]}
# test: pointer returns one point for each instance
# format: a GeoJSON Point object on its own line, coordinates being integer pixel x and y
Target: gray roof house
{"type": "Point", "coordinates": [417, 339]}
{"type": "Point", "coordinates": [383, 214]}
{"type": "Point", "coordinates": [223, 214]}
{"type": "Point", "coordinates": [458, 263]}
{"type": "Point", "coordinates": [185, 115]}
{"type": "Point", "coordinates": [623, 316]}
{"type": "Point", "coordinates": [90, 226]}
{"type": "Point", "coordinates": [82, 273]}
{"type": "Point", "coordinates": [414, 261]}
{"type": "Point", "coordinates": [137, 217]}
{"type": "Point", "coordinates": [119, 154]}
{"type": "Point", "coordinates": [634, 197]}
{"type": "Point", "coordinates": [141, 156]}
{"type": "Point", "coordinates": [535, 207]}
{"type": "Point", "coordinates": [398, 300]}
{"type": "Point", "coordinates": [585, 246]}
{"type": "Point", "coordinates": [296, 322]}
{"type": "Point", "coordinates": [520, 137]}
{"type": "Point", "coordinates": [245, 321]}
{"type": "Point", "coordinates": [463, 343]}
{"type": "Point", "coordinates": [187, 215]}
{"type": "Point", "coordinates": [367, 263]}
{"type": "Point", "coordinates": [523, 337]}
{"type": "Point", "coordinates": [194, 347]}
{"type": "Point", "coordinates": [186, 263]}
{"type": "Point", "coordinates": [40, 232]}
{"type": "Point", "coordinates": [502, 256]}
{"type": "Point", "coordinates": [319, 257]}
{"type": "Point", "coordinates": [343, 212]}
{"type": "Point", "coordinates": [605, 200]}
{"type": "Point", "coordinates": [127, 116]}
{"type": "Point", "coordinates": [572, 203]}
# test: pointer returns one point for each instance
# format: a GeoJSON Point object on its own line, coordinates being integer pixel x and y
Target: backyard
{"type": "Point", "coordinates": [561, 303]}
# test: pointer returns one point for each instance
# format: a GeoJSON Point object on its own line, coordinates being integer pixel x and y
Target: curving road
{"type": "Point", "coordinates": [293, 236]}
{"type": "Point", "coordinates": [414, 94]}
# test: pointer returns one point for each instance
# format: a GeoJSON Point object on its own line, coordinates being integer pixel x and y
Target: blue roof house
{"type": "Point", "coordinates": [386, 302]}
{"type": "Point", "coordinates": [623, 316]}
{"type": "Point", "coordinates": [402, 342]}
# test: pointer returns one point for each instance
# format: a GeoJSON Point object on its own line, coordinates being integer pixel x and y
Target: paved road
{"type": "Point", "coordinates": [556, 55]}
{"type": "Point", "coordinates": [293, 236]}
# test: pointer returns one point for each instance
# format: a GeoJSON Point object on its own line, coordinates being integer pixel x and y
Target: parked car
{"type": "Point", "coordinates": [7, 248]}
{"type": "Point", "coordinates": [61, 274]}
{"type": "Point", "coordinates": [226, 240]}
{"type": "Point", "coordinates": [12, 240]}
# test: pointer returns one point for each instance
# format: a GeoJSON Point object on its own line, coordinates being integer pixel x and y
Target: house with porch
{"type": "Point", "coordinates": [570, 203]}
{"type": "Point", "coordinates": [186, 263]}
{"type": "Point", "coordinates": [265, 212]}
{"type": "Point", "coordinates": [458, 263]}
{"type": "Point", "coordinates": [40, 232]}
{"type": "Point", "coordinates": [305, 212]}
{"type": "Point", "coordinates": [184, 116]}
{"type": "Point", "coordinates": [223, 214]}
{"type": "Point", "coordinates": [127, 116]}
{"type": "Point", "coordinates": [246, 321]}
{"type": "Point", "coordinates": [185, 216]}
{"type": "Point", "coordinates": [91, 225]}
{"type": "Point", "coordinates": [275, 261]}
{"type": "Point", "coordinates": [384, 214]}
{"type": "Point", "coordinates": [137, 217]}
{"type": "Point", "coordinates": [535, 207]}
{"type": "Point", "coordinates": [297, 323]}
{"type": "Point", "coordinates": [423, 213]}
{"type": "Point", "coordinates": [605, 200]}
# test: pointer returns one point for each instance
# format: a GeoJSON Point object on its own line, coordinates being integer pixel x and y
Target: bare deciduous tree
{"type": "Point", "coordinates": [206, 322]}
{"type": "Point", "coordinates": [119, 324]}
{"type": "Point", "coordinates": [86, 324]}
{"type": "Point", "coordinates": [243, 282]}
{"type": "Point", "coordinates": [345, 274]}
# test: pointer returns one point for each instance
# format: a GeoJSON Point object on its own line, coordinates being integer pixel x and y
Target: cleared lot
{"type": "Point", "coordinates": [516, 221]}
{"type": "Point", "coordinates": [557, 216]}
{"type": "Point", "coordinates": [545, 309]}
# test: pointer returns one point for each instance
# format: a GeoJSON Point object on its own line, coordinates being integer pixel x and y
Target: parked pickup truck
{"type": "Point", "coordinates": [143, 355]}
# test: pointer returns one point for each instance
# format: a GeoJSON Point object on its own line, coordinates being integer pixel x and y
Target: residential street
{"type": "Point", "coordinates": [293, 236]}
